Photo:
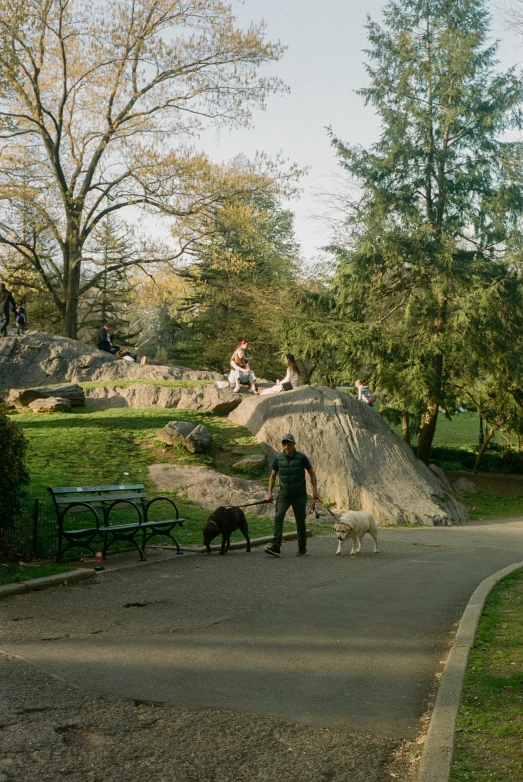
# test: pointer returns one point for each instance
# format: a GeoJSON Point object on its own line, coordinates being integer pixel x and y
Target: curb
{"type": "Point", "coordinates": [243, 543]}
{"type": "Point", "coordinates": [436, 761]}
{"type": "Point", "coordinates": [34, 584]}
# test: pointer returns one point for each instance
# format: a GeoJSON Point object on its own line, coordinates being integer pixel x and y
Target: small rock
{"type": "Point", "coordinates": [195, 438]}
{"type": "Point", "coordinates": [252, 462]}
{"type": "Point", "coordinates": [199, 439]}
{"type": "Point", "coordinates": [52, 404]}
{"type": "Point", "coordinates": [23, 397]}
{"type": "Point", "coordinates": [465, 485]}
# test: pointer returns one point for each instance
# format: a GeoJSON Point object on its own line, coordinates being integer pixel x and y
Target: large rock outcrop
{"type": "Point", "coordinates": [37, 358]}
{"type": "Point", "coordinates": [360, 462]}
{"type": "Point", "coordinates": [206, 398]}
{"type": "Point", "coordinates": [210, 488]}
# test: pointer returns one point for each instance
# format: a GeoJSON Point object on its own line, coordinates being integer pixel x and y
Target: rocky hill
{"type": "Point", "coordinates": [360, 462]}
{"type": "Point", "coordinates": [37, 359]}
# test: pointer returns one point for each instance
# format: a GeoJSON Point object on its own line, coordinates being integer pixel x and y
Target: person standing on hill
{"type": "Point", "coordinates": [7, 304]}
{"type": "Point", "coordinates": [290, 466]}
{"type": "Point", "coordinates": [20, 319]}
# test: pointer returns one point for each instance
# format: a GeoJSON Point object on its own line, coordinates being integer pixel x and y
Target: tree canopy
{"type": "Point", "coordinates": [438, 205]}
{"type": "Point", "coordinates": [98, 104]}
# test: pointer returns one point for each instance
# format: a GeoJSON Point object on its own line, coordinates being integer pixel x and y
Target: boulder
{"type": "Point", "coordinates": [464, 485]}
{"type": "Point", "coordinates": [253, 462]}
{"type": "Point", "coordinates": [210, 488]}
{"type": "Point", "coordinates": [51, 404]}
{"type": "Point", "coordinates": [37, 358]}
{"type": "Point", "coordinates": [195, 438]}
{"type": "Point", "coordinates": [205, 398]}
{"type": "Point", "coordinates": [23, 397]}
{"type": "Point", "coordinates": [436, 469]}
{"type": "Point", "coordinates": [360, 462]}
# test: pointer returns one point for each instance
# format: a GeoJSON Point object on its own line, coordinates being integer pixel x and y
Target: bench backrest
{"type": "Point", "coordinates": [97, 495]}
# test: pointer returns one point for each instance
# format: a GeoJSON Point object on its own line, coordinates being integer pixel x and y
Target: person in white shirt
{"type": "Point", "coordinates": [241, 372]}
{"type": "Point", "coordinates": [290, 380]}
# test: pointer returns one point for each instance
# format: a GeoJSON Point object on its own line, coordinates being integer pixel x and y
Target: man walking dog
{"type": "Point", "coordinates": [290, 466]}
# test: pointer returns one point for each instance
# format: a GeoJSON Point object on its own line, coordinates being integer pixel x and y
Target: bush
{"type": "Point", "coordinates": [14, 475]}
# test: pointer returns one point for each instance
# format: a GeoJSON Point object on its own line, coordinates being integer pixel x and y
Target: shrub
{"type": "Point", "coordinates": [14, 474]}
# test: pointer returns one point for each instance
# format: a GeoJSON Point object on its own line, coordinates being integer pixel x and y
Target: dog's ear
{"type": "Point", "coordinates": [334, 526]}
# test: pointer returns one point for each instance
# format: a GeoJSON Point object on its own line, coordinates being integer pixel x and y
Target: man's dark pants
{"type": "Point", "coordinates": [4, 322]}
{"type": "Point", "coordinates": [299, 507]}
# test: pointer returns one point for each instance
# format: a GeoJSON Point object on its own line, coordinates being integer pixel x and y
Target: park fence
{"type": "Point", "coordinates": [31, 533]}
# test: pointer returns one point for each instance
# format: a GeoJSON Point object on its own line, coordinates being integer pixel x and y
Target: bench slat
{"type": "Point", "coordinates": [93, 489]}
{"type": "Point", "coordinates": [94, 498]}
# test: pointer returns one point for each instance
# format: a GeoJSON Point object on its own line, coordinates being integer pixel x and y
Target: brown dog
{"type": "Point", "coordinates": [223, 521]}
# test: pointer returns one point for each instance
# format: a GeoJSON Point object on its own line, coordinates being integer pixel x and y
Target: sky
{"type": "Point", "coordinates": [323, 67]}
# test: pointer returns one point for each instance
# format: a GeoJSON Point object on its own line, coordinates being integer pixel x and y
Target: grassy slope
{"type": "Point", "coordinates": [115, 446]}
{"type": "Point", "coordinates": [490, 723]}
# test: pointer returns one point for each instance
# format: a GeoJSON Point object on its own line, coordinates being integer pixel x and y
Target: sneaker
{"type": "Point", "coordinates": [236, 389]}
{"type": "Point", "coordinates": [274, 551]}
{"type": "Point", "coordinates": [253, 390]}
{"type": "Point", "coordinates": [301, 553]}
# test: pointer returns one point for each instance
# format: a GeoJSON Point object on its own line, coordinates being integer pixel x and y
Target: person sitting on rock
{"type": "Point", "coordinates": [103, 339]}
{"type": "Point", "coordinates": [244, 345]}
{"type": "Point", "coordinates": [290, 380]}
{"type": "Point", "coordinates": [241, 372]}
{"type": "Point", "coordinates": [364, 394]}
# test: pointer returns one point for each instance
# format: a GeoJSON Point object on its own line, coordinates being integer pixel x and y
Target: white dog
{"type": "Point", "coordinates": [355, 524]}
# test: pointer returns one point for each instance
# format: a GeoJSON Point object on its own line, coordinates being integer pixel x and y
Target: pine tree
{"type": "Point", "coordinates": [245, 267]}
{"type": "Point", "coordinates": [437, 206]}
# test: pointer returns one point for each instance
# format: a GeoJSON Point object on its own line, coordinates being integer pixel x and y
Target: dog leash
{"type": "Point", "coordinates": [313, 509]}
{"type": "Point", "coordinates": [249, 504]}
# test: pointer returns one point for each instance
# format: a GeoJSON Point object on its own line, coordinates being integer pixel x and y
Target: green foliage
{"type": "Point", "coordinates": [14, 474]}
{"type": "Point", "coordinates": [490, 729]}
{"type": "Point", "coordinates": [240, 285]}
{"type": "Point", "coordinates": [14, 573]}
{"type": "Point", "coordinates": [424, 286]}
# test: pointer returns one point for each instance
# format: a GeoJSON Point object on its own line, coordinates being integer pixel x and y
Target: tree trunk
{"type": "Point", "coordinates": [426, 432]}
{"type": "Point", "coordinates": [405, 425]}
{"type": "Point", "coordinates": [483, 448]}
{"type": "Point", "coordinates": [71, 302]}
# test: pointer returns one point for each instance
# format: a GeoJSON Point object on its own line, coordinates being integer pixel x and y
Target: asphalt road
{"type": "Point", "coordinates": [350, 645]}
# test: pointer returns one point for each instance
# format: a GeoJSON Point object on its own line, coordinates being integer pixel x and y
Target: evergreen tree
{"type": "Point", "coordinates": [241, 284]}
{"type": "Point", "coordinates": [437, 207]}
{"type": "Point", "coordinates": [107, 283]}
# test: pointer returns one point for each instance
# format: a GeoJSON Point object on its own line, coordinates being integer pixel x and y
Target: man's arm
{"type": "Point", "coordinates": [272, 481]}
{"type": "Point", "coordinates": [314, 482]}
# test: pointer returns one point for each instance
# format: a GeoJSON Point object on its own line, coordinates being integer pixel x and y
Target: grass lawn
{"type": "Point", "coordinates": [490, 723]}
{"type": "Point", "coordinates": [491, 506]}
{"type": "Point", "coordinates": [13, 573]}
{"type": "Point", "coordinates": [97, 447]}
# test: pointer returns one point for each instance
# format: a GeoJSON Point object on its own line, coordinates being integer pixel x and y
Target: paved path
{"type": "Point", "coordinates": [334, 640]}
{"type": "Point", "coordinates": [348, 643]}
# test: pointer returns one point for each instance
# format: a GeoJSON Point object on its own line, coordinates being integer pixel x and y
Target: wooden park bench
{"type": "Point", "coordinates": [99, 502]}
